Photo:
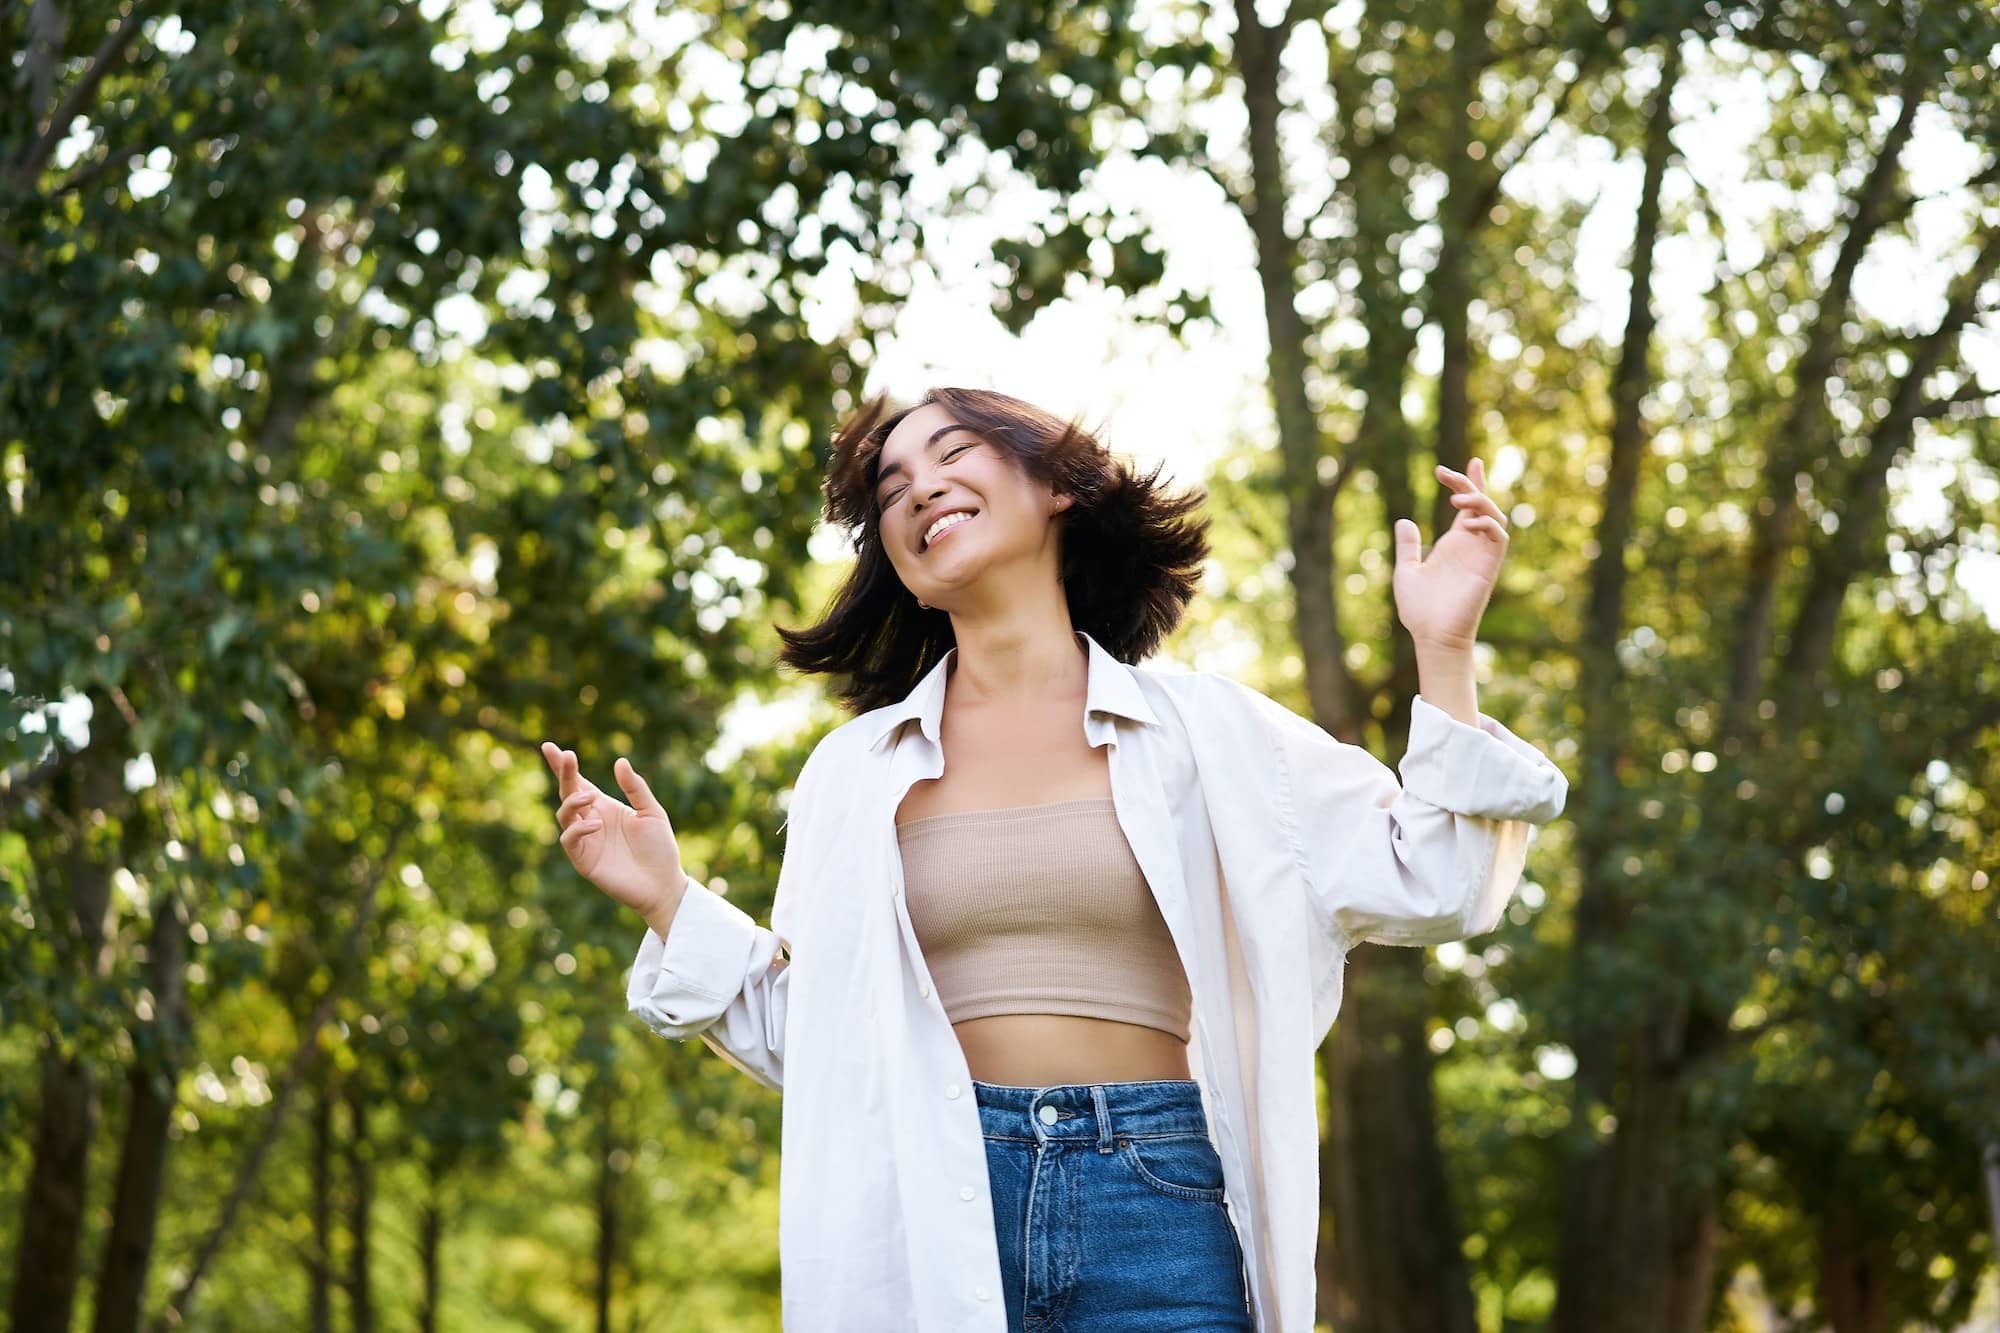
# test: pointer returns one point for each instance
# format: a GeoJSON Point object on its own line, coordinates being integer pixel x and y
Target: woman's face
{"type": "Point", "coordinates": [930, 468]}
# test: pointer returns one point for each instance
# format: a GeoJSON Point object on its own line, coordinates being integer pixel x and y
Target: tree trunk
{"type": "Point", "coordinates": [430, 1241]}
{"type": "Point", "coordinates": [1697, 1245]}
{"type": "Point", "coordinates": [1612, 1274]}
{"type": "Point", "coordinates": [360, 1199]}
{"type": "Point", "coordinates": [1396, 1261]}
{"type": "Point", "coordinates": [607, 1219]}
{"type": "Point", "coordinates": [52, 1208]}
{"type": "Point", "coordinates": [154, 1080]}
{"type": "Point", "coordinates": [1854, 1274]}
{"type": "Point", "coordinates": [1648, 1189]}
{"type": "Point", "coordinates": [319, 1260]}
{"type": "Point", "coordinates": [1990, 1160]}
{"type": "Point", "coordinates": [1399, 1268]}
{"type": "Point", "coordinates": [1615, 1260]}
{"type": "Point", "coordinates": [53, 1205]}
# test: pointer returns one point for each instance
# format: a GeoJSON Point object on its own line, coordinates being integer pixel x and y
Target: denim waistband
{"type": "Point", "coordinates": [1087, 1111]}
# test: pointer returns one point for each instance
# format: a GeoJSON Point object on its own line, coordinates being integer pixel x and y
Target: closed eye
{"type": "Point", "coordinates": [949, 454]}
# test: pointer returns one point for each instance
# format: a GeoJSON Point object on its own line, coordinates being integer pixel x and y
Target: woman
{"type": "Point", "coordinates": [1115, 901]}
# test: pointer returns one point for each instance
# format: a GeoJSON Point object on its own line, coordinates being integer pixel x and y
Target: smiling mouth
{"type": "Point", "coordinates": [969, 515]}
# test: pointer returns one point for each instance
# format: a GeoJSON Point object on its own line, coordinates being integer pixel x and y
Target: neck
{"type": "Point", "coordinates": [1015, 664]}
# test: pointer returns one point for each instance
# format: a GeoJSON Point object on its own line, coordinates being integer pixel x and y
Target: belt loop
{"type": "Point", "coordinates": [1104, 1143]}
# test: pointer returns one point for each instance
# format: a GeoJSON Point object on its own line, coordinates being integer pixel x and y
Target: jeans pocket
{"type": "Point", "coordinates": [1181, 1166]}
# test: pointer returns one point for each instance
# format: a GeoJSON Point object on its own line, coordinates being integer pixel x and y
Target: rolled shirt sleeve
{"type": "Point", "coordinates": [717, 975]}
{"type": "Point", "coordinates": [1434, 857]}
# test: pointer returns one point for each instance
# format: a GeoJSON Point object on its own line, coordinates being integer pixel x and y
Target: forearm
{"type": "Point", "coordinates": [1445, 677]}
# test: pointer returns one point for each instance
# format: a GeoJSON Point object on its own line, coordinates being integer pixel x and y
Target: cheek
{"type": "Point", "coordinates": [894, 538]}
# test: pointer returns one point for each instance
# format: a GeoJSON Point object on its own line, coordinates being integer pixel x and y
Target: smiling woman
{"type": "Point", "coordinates": [1037, 496]}
{"type": "Point", "coordinates": [1066, 932]}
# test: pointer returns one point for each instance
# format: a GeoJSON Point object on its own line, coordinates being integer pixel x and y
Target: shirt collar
{"type": "Point", "coordinates": [1113, 687]}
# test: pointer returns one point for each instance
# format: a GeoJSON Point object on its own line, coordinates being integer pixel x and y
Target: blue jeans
{"type": "Point", "coordinates": [1108, 1200]}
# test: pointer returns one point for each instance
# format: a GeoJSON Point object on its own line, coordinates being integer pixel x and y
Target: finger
{"type": "Point", "coordinates": [1465, 483]}
{"type": "Point", "coordinates": [1480, 501]}
{"type": "Point", "coordinates": [576, 832]}
{"type": "Point", "coordinates": [1409, 542]}
{"type": "Point", "coordinates": [578, 781]}
{"type": "Point", "coordinates": [554, 754]}
{"type": "Point", "coordinates": [635, 787]}
{"type": "Point", "coordinates": [1487, 523]}
{"type": "Point", "coordinates": [573, 806]}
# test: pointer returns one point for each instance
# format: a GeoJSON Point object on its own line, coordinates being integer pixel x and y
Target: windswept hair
{"type": "Point", "coordinates": [1132, 552]}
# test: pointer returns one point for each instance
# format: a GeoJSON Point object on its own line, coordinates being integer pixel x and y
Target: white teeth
{"type": "Point", "coordinates": [948, 521]}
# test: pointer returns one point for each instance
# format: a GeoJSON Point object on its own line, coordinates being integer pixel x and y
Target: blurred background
{"type": "Point", "coordinates": [385, 389]}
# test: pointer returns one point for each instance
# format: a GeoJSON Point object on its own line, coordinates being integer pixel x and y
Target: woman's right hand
{"type": "Point", "coordinates": [626, 850]}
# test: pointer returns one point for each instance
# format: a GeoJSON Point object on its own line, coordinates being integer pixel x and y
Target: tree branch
{"type": "Point", "coordinates": [1863, 500]}
{"type": "Point", "coordinates": [109, 52]}
{"type": "Point", "coordinates": [1503, 164]}
{"type": "Point", "coordinates": [1795, 441]}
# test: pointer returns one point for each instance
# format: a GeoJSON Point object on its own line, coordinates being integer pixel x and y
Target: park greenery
{"type": "Point", "coordinates": [386, 389]}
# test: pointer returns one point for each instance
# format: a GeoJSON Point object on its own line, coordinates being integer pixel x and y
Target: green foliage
{"type": "Point", "coordinates": [386, 391]}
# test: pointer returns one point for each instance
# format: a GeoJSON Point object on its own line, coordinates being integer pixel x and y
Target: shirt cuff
{"type": "Point", "coordinates": [703, 952]}
{"type": "Point", "coordinates": [1484, 770]}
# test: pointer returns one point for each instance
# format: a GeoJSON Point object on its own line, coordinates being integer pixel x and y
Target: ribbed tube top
{"type": "Point", "coordinates": [1041, 909]}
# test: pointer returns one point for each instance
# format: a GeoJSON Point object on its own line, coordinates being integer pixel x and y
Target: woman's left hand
{"type": "Point", "coordinates": [1440, 596]}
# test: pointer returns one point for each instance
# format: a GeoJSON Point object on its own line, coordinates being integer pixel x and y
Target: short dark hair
{"type": "Point", "coordinates": [1132, 552]}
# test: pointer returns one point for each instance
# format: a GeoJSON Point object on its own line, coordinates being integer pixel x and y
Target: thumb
{"type": "Point", "coordinates": [1409, 543]}
{"type": "Point", "coordinates": [635, 787]}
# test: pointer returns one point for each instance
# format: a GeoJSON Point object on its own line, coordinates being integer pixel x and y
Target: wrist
{"type": "Point", "coordinates": [661, 914]}
{"type": "Point", "coordinates": [1442, 649]}
{"type": "Point", "coordinates": [1448, 680]}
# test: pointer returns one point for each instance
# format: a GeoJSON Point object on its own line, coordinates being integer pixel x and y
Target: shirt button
{"type": "Point", "coordinates": [952, 1090]}
{"type": "Point", "coordinates": [924, 989]}
{"type": "Point", "coordinates": [982, 1293]}
{"type": "Point", "coordinates": [1048, 1114]}
{"type": "Point", "coordinates": [965, 1191]}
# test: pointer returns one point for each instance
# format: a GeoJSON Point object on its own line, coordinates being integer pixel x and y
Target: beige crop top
{"type": "Point", "coordinates": [1041, 909]}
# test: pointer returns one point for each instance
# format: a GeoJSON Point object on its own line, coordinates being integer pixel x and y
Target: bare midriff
{"type": "Point", "coordinates": [1038, 1050]}
{"type": "Point", "coordinates": [1021, 755]}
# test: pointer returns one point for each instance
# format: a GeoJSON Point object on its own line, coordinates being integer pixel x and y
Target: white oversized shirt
{"type": "Point", "coordinates": [1271, 848]}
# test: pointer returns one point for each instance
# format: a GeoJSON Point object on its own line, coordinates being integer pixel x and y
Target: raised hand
{"type": "Point", "coordinates": [1440, 597]}
{"type": "Point", "coordinates": [627, 851]}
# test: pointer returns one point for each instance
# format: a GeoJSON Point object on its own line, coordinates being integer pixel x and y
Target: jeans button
{"type": "Point", "coordinates": [1048, 1114]}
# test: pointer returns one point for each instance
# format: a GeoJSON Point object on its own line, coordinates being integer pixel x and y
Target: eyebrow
{"type": "Point", "coordinates": [929, 445]}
